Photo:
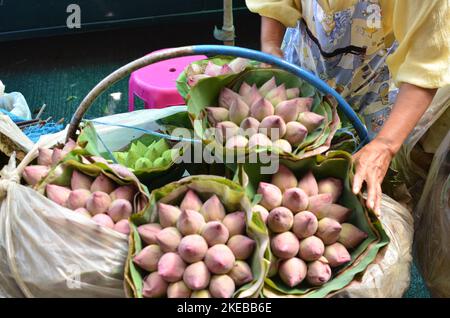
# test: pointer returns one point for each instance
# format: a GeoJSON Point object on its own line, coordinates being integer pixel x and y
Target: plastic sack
{"type": "Point", "coordinates": [14, 103]}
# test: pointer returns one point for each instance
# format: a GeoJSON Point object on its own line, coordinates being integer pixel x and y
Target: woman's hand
{"type": "Point", "coordinates": [372, 163]}
{"type": "Point", "coordinates": [273, 49]}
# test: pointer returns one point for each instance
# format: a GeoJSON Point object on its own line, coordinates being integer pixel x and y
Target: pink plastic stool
{"type": "Point", "coordinates": [156, 84]}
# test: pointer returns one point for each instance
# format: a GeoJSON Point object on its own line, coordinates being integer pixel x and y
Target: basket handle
{"type": "Point", "coordinates": [211, 50]}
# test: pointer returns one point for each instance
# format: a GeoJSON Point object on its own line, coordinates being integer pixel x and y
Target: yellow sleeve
{"type": "Point", "coordinates": [287, 12]}
{"type": "Point", "coordinates": [422, 29]}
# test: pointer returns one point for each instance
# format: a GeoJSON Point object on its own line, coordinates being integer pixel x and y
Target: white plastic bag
{"type": "Point", "coordinates": [14, 103]}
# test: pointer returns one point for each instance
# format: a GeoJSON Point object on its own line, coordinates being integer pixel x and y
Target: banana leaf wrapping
{"type": "Point", "coordinates": [206, 93]}
{"type": "Point", "coordinates": [335, 164]}
{"type": "Point", "coordinates": [233, 197]}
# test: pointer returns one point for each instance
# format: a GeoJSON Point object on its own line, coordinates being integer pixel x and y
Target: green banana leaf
{"type": "Point", "coordinates": [234, 199]}
{"type": "Point", "coordinates": [335, 164]}
{"type": "Point", "coordinates": [206, 93]}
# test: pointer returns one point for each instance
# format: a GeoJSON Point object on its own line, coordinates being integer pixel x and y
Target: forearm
{"type": "Point", "coordinates": [272, 32]}
{"type": "Point", "coordinates": [412, 102]}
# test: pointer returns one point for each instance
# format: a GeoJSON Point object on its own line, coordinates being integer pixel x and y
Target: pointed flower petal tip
{"type": "Point", "coordinates": [261, 109]}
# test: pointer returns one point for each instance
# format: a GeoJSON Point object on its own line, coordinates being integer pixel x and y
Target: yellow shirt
{"type": "Point", "coordinates": [421, 27]}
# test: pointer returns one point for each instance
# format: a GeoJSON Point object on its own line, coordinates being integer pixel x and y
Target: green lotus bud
{"type": "Point", "coordinates": [98, 202]}
{"type": "Point", "coordinates": [178, 290]}
{"type": "Point", "coordinates": [45, 157]}
{"type": "Point", "coordinates": [280, 220]}
{"type": "Point", "coordinates": [123, 226]}
{"type": "Point", "coordinates": [196, 276]}
{"type": "Point", "coordinates": [337, 255]}
{"type": "Point", "coordinates": [284, 245]}
{"type": "Point", "coordinates": [226, 97]}
{"type": "Point", "coordinates": [308, 184]}
{"type": "Point", "coordinates": [282, 145]}
{"type": "Point", "coordinates": [168, 214]}
{"type": "Point", "coordinates": [171, 267]}
{"type": "Point", "coordinates": [351, 236]}
{"type": "Point", "coordinates": [159, 163]}
{"type": "Point", "coordinates": [329, 230]}
{"type": "Point", "coordinates": [284, 179]}
{"type": "Point", "coordinates": [34, 174]}
{"type": "Point", "coordinates": [268, 86]}
{"type": "Point", "coordinates": [288, 110]}
{"type": "Point", "coordinates": [293, 92]}
{"type": "Point", "coordinates": [259, 140]}
{"type": "Point", "coordinates": [318, 273]}
{"type": "Point", "coordinates": [191, 202]}
{"type": "Point", "coordinates": [219, 259]}
{"type": "Point", "coordinates": [148, 232]}
{"type": "Point", "coordinates": [216, 115]}
{"type": "Point", "coordinates": [78, 199]}
{"type": "Point", "coordinates": [148, 258]}
{"type": "Point", "coordinates": [192, 248]}
{"type": "Point", "coordinates": [277, 95]}
{"type": "Point", "coordinates": [201, 294]}
{"type": "Point", "coordinates": [120, 209]}
{"type": "Point", "coordinates": [126, 192]}
{"type": "Point", "coordinates": [215, 233]}
{"type": "Point", "coordinates": [235, 223]}
{"type": "Point", "coordinates": [151, 154]}
{"type": "Point", "coordinates": [317, 202]}
{"type": "Point", "coordinates": [103, 184]}
{"type": "Point", "coordinates": [310, 120]}
{"type": "Point", "coordinates": [305, 224]}
{"type": "Point", "coordinates": [103, 220]}
{"type": "Point", "coordinates": [261, 109]}
{"type": "Point", "coordinates": [334, 211]}
{"type": "Point", "coordinates": [154, 286]}
{"type": "Point", "coordinates": [333, 186]}
{"type": "Point", "coordinates": [168, 239]}
{"type": "Point", "coordinates": [239, 110]}
{"type": "Point", "coordinates": [295, 133]}
{"type": "Point", "coordinates": [273, 126]}
{"type": "Point", "coordinates": [292, 271]}
{"type": "Point", "coordinates": [142, 164]}
{"type": "Point", "coordinates": [221, 286]}
{"type": "Point", "coordinates": [83, 212]}
{"type": "Point", "coordinates": [249, 126]}
{"type": "Point", "coordinates": [241, 246]}
{"type": "Point", "coordinates": [225, 130]}
{"type": "Point", "coordinates": [57, 194]}
{"type": "Point", "coordinates": [271, 195]}
{"type": "Point", "coordinates": [241, 273]}
{"type": "Point", "coordinates": [311, 249]}
{"type": "Point", "coordinates": [236, 142]}
{"type": "Point", "coordinates": [190, 222]}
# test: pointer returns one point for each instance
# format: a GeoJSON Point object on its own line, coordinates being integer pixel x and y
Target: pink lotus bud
{"type": "Point", "coordinates": [235, 223]}
{"type": "Point", "coordinates": [57, 156]}
{"type": "Point", "coordinates": [282, 145]}
{"type": "Point", "coordinates": [190, 222]}
{"type": "Point", "coordinates": [98, 202]}
{"type": "Point", "coordinates": [336, 255]}
{"type": "Point", "coordinates": [333, 186]}
{"type": "Point", "coordinates": [120, 209]}
{"type": "Point", "coordinates": [213, 69]}
{"type": "Point", "coordinates": [259, 140]}
{"type": "Point", "coordinates": [285, 245]}
{"type": "Point", "coordinates": [305, 224]}
{"type": "Point", "coordinates": [308, 184]}
{"type": "Point", "coordinates": [292, 271]}
{"type": "Point", "coordinates": [273, 126]}
{"type": "Point", "coordinates": [241, 246]}
{"type": "Point", "coordinates": [225, 130]}
{"type": "Point", "coordinates": [239, 110]}
{"type": "Point", "coordinates": [236, 142]}
{"type": "Point", "coordinates": [328, 230]}
{"type": "Point", "coordinates": [201, 294]}
{"type": "Point", "coordinates": [191, 202]}
{"type": "Point", "coordinates": [293, 92]}
{"type": "Point", "coordinates": [178, 290]}
{"type": "Point", "coordinates": [310, 120]}
{"type": "Point", "coordinates": [148, 232]}
{"type": "Point", "coordinates": [219, 259]}
{"type": "Point", "coordinates": [123, 226]}
{"type": "Point", "coordinates": [226, 97]}
{"type": "Point", "coordinates": [213, 209]}
{"type": "Point", "coordinates": [239, 64]}
{"type": "Point", "coordinates": [295, 199]}
{"type": "Point", "coordinates": [215, 233]}
{"type": "Point", "coordinates": [103, 220]}
{"type": "Point", "coordinates": [154, 286]}
{"type": "Point", "coordinates": [192, 248]}
{"type": "Point", "coordinates": [351, 236]}
{"type": "Point", "coordinates": [334, 211]}
{"type": "Point", "coordinates": [80, 181]}
{"type": "Point", "coordinates": [126, 192]}
{"type": "Point", "coordinates": [120, 170]}
{"type": "Point", "coordinates": [148, 258]}
{"type": "Point", "coordinates": [216, 115]}
{"type": "Point", "coordinates": [284, 178]}
{"type": "Point", "coordinates": [280, 220]}
{"type": "Point", "coordinates": [171, 267]}
{"type": "Point", "coordinates": [253, 96]}
{"type": "Point", "coordinates": [45, 157]}
{"type": "Point", "coordinates": [261, 109]}
{"type": "Point", "coordinates": [262, 212]}
{"type": "Point", "coordinates": [288, 110]}
{"type": "Point", "coordinates": [196, 276]}
{"type": "Point", "coordinates": [226, 69]}
{"type": "Point", "coordinates": [241, 273]}
{"type": "Point", "coordinates": [221, 286]}
{"type": "Point", "coordinates": [168, 239]}
{"type": "Point", "coordinates": [83, 212]}
{"type": "Point", "coordinates": [194, 79]}
{"type": "Point", "coordinates": [311, 249]}
{"type": "Point", "coordinates": [249, 126]}
{"type": "Point", "coordinates": [271, 195]}
{"type": "Point", "coordinates": [103, 184]}
{"type": "Point", "coordinates": [34, 174]}
{"type": "Point", "coordinates": [277, 95]}
{"type": "Point", "coordinates": [168, 214]}
{"type": "Point", "coordinates": [268, 86]}
{"type": "Point", "coordinates": [316, 202]}
{"type": "Point", "coordinates": [304, 104]}
{"type": "Point", "coordinates": [57, 194]}
{"type": "Point", "coordinates": [70, 145]}
{"type": "Point", "coordinates": [78, 199]}
{"type": "Point", "coordinates": [318, 273]}
{"type": "Point", "coordinates": [295, 133]}
{"type": "Point", "coordinates": [245, 89]}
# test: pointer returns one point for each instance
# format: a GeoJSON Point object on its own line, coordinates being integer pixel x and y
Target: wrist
{"type": "Point", "coordinates": [390, 145]}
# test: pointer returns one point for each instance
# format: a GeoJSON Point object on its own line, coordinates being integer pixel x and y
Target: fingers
{"type": "Point", "coordinates": [374, 192]}
{"type": "Point", "coordinates": [359, 177]}
{"type": "Point", "coordinates": [377, 208]}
